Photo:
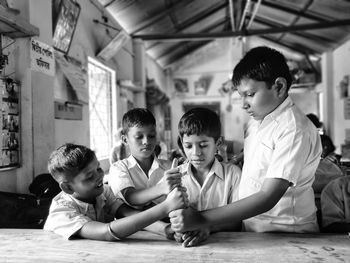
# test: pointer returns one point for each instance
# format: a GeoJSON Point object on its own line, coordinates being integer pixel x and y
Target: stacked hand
{"type": "Point", "coordinates": [172, 178]}
{"type": "Point", "coordinates": [185, 224]}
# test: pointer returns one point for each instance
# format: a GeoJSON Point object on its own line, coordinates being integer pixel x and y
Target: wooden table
{"type": "Point", "coordinates": [30, 245]}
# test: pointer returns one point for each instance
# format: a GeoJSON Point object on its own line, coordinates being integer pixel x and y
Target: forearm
{"type": "Point", "coordinates": [232, 227]}
{"type": "Point", "coordinates": [143, 196]}
{"type": "Point", "coordinates": [337, 228]}
{"type": "Point", "coordinates": [129, 225]}
{"type": "Point", "coordinates": [270, 193]}
{"type": "Point", "coordinates": [157, 228]}
{"type": "Point", "coordinates": [235, 212]}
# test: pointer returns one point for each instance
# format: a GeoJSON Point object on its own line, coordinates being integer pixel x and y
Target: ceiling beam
{"type": "Point", "coordinates": [265, 22]}
{"type": "Point", "coordinates": [302, 13]}
{"type": "Point", "coordinates": [146, 23]}
{"type": "Point", "coordinates": [292, 48]}
{"type": "Point", "coordinates": [168, 52]}
{"type": "Point", "coordinates": [257, 32]}
{"type": "Point", "coordinates": [196, 19]}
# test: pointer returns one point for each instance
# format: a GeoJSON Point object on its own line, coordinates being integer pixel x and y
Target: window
{"type": "Point", "coordinates": [102, 107]}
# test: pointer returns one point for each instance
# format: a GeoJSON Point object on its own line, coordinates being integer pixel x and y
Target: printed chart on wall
{"type": "Point", "coordinates": [9, 123]}
{"type": "Point", "coordinates": [9, 105]}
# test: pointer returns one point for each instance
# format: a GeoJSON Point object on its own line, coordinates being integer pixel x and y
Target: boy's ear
{"type": "Point", "coordinates": [219, 141]}
{"type": "Point", "coordinates": [124, 139]}
{"type": "Point", "coordinates": [66, 187]}
{"type": "Point", "coordinates": [281, 87]}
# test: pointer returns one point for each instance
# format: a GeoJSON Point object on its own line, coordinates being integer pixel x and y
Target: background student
{"type": "Point", "coordinates": [135, 178]}
{"type": "Point", "coordinates": [86, 207]}
{"type": "Point", "coordinates": [282, 150]}
{"type": "Point", "coordinates": [335, 203]}
{"type": "Point", "coordinates": [119, 151]}
{"type": "Point", "coordinates": [209, 183]}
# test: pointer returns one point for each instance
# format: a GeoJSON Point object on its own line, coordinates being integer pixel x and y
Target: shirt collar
{"type": "Point", "coordinates": [216, 169]}
{"type": "Point", "coordinates": [100, 201]}
{"type": "Point", "coordinates": [155, 165]}
{"type": "Point", "coordinates": [287, 103]}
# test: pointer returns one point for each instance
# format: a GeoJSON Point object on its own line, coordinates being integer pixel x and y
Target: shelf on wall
{"type": "Point", "coordinates": [14, 26]}
{"type": "Point", "coordinates": [128, 84]}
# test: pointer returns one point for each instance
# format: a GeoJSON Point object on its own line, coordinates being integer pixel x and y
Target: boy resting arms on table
{"type": "Point", "coordinates": [282, 149]}
{"type": "Point", "coordinates": [86, 207]}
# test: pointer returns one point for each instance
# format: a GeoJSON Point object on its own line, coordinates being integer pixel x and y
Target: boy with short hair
{"type": "Point", "coordinates": [282, 150]}
{"type": "Point", "coordinates": [86, 207]}
{"type": "Point", "coordinates": [135, 179]}
{"type": "Point", "coordinates": [209, 183]}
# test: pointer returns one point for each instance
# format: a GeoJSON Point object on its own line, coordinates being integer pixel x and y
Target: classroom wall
{"type": "Point", "coordinates": [40, 131]}
{"type": "Point", "coordinates": [214, 62]}
{"type": "Point", "coordinates": [336, 69]}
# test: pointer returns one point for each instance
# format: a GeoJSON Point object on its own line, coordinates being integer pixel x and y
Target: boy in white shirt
{"type": "Point", "coordinates": [86, 207]}
{"type": "Point", "coordinates": [282, 150]}
{"type": "Point", "coordinates": [209, 183]}
{"type": "Point", "coordinates": [135, 179]}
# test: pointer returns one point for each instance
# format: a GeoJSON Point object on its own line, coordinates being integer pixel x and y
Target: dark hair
{"type": "Point", "coordinates": [137, 117]}
{"type": "Point", "coordinates": [68, 160]}
{"type": "Point", "coordinates": [200, 121]}
{"type": "Point", "coordinates": [314, 119]}
{"type": "Point", "coordinates": [262, 64]}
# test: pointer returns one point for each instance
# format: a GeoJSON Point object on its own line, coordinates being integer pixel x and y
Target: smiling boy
{"type": "Point", "coordinates": [86, 207]}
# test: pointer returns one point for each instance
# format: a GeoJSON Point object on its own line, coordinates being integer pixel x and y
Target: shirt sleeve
{"type": "Point", "coordinates": [119, 178]}
{"type": "Point", "coordinates": [332, 203]}
{"type": "Point", "coordinates": [112, 201]}
{"type": "Point", "coordinates": [235, 173]}
{"type": "Point", "coordinates": [65, 218]}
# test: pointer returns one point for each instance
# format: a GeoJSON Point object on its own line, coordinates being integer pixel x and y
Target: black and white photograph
{"type": "Point", "coordinates": [164, 131]}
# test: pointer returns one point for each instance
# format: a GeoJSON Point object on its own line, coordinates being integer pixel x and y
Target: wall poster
{"type": "Point", "coordinates": [9, 123]}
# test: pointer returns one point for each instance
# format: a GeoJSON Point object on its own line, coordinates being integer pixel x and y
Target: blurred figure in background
{"type": "Point", "coordinates": [328, 147]}
{"type": "Point", "coordinates": [120, 150]}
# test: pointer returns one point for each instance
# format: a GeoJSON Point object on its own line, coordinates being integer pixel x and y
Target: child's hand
{"type": "Point", "coordinates": [176, 199]}
{"type": "Point", "coordinates": [178, 237]}
{"type": "Point", "coordinates": [193, 238]}
{"type": "Point", "coordinates": [183, 220]}
{"type": "Point", "coordinates": [172, 178]}
{"type": "Point", "coordinates": [169, 233]}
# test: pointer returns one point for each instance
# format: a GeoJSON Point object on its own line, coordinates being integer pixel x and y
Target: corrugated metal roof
{"type": "Point", "coordinates": [174, 28]}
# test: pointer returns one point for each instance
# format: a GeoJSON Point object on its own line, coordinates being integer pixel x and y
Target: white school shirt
{"type": "Point", "coordinates": [219, 188]}
{"type": "Point", "coordinates": [128, 173]}
{"type": "Point", "coordinates": [285, 144]}
{"type": "Point", "coordinates": [67, 214]}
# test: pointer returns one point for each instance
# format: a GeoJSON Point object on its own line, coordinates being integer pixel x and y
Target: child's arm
{"type": "Point", "coordinates": [172, 178]}
{"type": "Point", "coordinates": [126, 226]}
{"type": "Point", "coordinates": [158, 227]}
{"type": "Point", "coordinates": [271, 192]}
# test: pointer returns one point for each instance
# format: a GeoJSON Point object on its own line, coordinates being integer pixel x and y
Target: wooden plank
{"type": "Point", "coordinates": [257, 32]}
{"type": "Point", "coordinates": [15, 26]}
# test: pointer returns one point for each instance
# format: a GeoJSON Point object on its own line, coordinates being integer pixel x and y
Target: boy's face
{"type": "Point", "coordinates": [258, 100]}
{"type": "Point", "coordinates": [141, 140]}
{"type": "Point", "coordinates": [88, 184]}
{"type": "Point", "coordinates": [200, 150]}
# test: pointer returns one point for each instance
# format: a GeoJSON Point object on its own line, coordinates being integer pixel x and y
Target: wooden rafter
{"type": "Point", "coordinates": [257, 32]}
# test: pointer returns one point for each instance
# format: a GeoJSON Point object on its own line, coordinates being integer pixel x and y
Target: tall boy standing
{"type": "Point", "coordinates": [282, 150]}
